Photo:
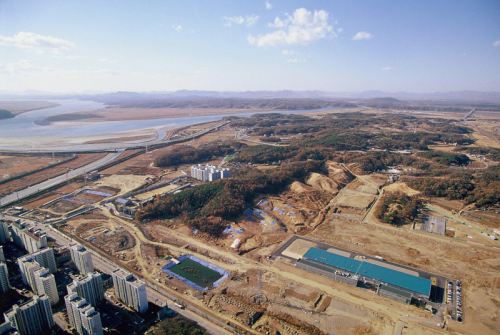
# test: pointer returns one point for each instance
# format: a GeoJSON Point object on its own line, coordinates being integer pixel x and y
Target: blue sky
{"type": "Point", "coordinates": [160, 45]}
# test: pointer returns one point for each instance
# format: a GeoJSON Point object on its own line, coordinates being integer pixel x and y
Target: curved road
{"type": "Point", "coordinates": [51, 182]}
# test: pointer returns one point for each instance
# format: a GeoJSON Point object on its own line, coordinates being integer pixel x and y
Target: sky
{"type": "Point", "coordinates": [419, 46]}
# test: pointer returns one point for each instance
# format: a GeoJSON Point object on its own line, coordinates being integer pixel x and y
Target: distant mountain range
{"type": "Point", "coordinates": [466, 97]}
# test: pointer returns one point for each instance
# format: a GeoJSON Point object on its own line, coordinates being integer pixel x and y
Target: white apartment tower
{"type": "Point", "coordinates": [27, 268]}
{"type": "Point", "coordinates": [130, 290]}
{"type": "Point", "coordinates": [82, 316]}
{"type": "Point", "coordinates": [209, 172]}
{"type": "Point", "coordinates": [17, 229]}
{"type": "Point", "coordinates": [82, 258]}
{"type": "Point", "coordinates": [28, 238]}
{"type": "Point", "coordinates": [2, 256]}
{"type": "Point", "coordinates": [4, 278]}
{"type": "Point", "coordinates": [44, 257]}
{"type": "Point", "coordinates": [34, 240]}
{"type": "Point", "coordinates": [46, 284]}
{"type": "Point", "coordinates": [32, 317]}
{"type": "Point", "coordinates": [89, 288]}
{"type": "Point", "coordinates": [4, 232]}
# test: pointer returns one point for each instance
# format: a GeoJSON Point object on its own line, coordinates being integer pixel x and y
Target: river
{"type": "Point", "coordinates": [27, 125]}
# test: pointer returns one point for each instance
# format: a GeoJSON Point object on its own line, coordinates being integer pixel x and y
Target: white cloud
{"type": "Point", "coordinates": [339, 30]}
{"type": "Point", "coordinates": [388, 68]}
{"type": "Point", "coordinates": [296, 60]}
{"type": "Point", "coordinates": [177, 28]}
{"type": "Point", "coordinates": [104, 60]}
{"type": "Point", "coordinates": [268, 5]}
{"type": "Point", "coordinates": [233, 19]}
{"type": "Point", "coordinates": [22, 67]}
{"type": "Point", "coordinates": [32, 40]}
{"type": "Point", "coordinates": [362, 35]}
{"type": "Point", "coordinates": [287, 52]}
{"type": "Point", "coordinates": [496, 44]}
{"type": "Point", "coordinates": [301, 28]}
{"type": "Point", "coordinates": [249, 21]}
{"type": "Point", "coordinates": [277, 23]}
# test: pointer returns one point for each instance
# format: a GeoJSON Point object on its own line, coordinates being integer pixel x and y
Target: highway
{"type": "Point", "coordinates": [51, 182]}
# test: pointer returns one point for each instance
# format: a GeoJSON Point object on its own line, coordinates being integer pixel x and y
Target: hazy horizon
{"type": "Point", "coordinates": [353, 46]}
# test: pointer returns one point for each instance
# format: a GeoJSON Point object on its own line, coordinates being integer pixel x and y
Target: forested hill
{"type": "Point", "coordinates": [138, 101]}
{"type": "Point", "coordinates": [4, 114]}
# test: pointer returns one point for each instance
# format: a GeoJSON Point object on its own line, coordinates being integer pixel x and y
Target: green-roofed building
{"type": "Point", "coordinates": [401, 283]}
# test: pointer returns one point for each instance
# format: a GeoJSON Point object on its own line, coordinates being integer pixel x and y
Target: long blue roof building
{"type": "Point", "coordinates": [418, 285]}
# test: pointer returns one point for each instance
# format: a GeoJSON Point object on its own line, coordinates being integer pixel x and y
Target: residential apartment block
{"type": "Point", "coordinates": [4, 278]}
{"type": "Point", "coordinates": [130, 290]}
{"type": "Point", "coordinates": [209, 172]}
{"type": "Point", "coordinates": [32, 317]}
{"type": "Point", "coordinates": [82, 316]}
{"type": "Point", "coordinates": [82, 258]}
{"type": "Point", "coordinates": [4, 232]}
{"type": "Point", "coordinates": [46, 284]}
{"type": "Point", "coordinates": [89, 288]}
{"type": "Point", "coordinates": [44, 257]}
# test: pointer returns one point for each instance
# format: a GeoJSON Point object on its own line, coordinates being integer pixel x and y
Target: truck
{"type": "Point", "coordinates": [179, 306]}
{"type": "Point", "coordinates": [379, 258]}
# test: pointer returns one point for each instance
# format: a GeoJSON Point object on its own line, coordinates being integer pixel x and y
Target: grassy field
{"type": "Point", "coordinates": [195, 272]}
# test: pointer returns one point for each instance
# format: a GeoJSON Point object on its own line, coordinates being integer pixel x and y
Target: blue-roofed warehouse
{"type": "Point", "coordinates": [398, 282]}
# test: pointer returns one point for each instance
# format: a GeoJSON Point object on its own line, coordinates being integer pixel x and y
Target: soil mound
{"type": "Point", "coordinates": [401, 187]}
{"type": "Point", "coordinates": [299, 187]}
{"type": "Point", "coordinates": [322, 183]}
{"type": "Point", "coordinates": [336, 173]}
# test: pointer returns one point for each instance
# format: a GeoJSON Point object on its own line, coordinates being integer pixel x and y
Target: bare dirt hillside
{"type": "Point", "coordinates": [322, 183]}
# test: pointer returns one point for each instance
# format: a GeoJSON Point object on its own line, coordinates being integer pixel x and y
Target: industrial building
{"type": "Point", "coordinates": [82, 258]}
{"type": "Point", "coordinates": [46, 284]}
{"type": "Point", "coordinates": [89, 288]}
{"type": "Point", "coordinates": [391, 283]}
{"type": "Point", "coordinates": [32, 317]}
{"type": "Point", "coordinates": [130, 290]}
{"type": "Point", "coordinates": [209, 172]}
{"type": "Point", "coordinates": [82, 316]}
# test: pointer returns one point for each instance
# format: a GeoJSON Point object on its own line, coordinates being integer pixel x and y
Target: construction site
{"type": "Point", "coordinates": [310, 260]}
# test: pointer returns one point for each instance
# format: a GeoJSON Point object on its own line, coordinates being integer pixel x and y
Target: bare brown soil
{"type": "Point", "coordinates": [15, 185]}
{"type": "Point", "coordinates": [11, 166]}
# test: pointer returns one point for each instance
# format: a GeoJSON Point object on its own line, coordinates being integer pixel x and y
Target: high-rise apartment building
{"type": "Point", "coordinates": [209, 172]}
{"type": "Point", "coordinates": [89, 288]}
{"type": "Point", "coordinates": [32, 317]}
{"type": "Point", "coordinates": [46, 284]}
{"type": "Point", "coordinates": [2, 256]}
{"type": "Point", "coordinates": [28, 238]}
{"type": "Point", "coordinates": [4, 232]}
{"type": "Point", "coordinates": [16, 230]}
{"type": "Point", "coordinates": [27, 268]}
{"type": "Point", "coordinates": [44, 257]}
{"type": "Point", "coordinates": [82, 316]}
{"type": "Point", "coordinates": [82, 258]}
{"type": "Point", "coordinates": [4, 278]}
{"type": "Point", "coordinates": [34, 240]}
{"type": "Point", "coordinates": [130, 290]}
